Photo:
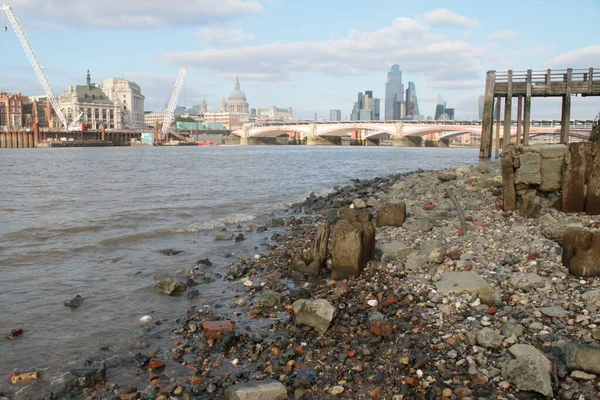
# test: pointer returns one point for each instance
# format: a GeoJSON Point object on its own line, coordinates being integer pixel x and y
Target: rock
{"type": "Point", "coordinates": [510, 329]}
{"type": "Point", "coordinates": [317, 314]}
{"type": "Point", "coordinates": [489, 338]}
{"type": "Point", "coordinates": [223, 237]}
{"type": "Point", "coordinates": [583, 376]}
{"type": "Point", "coordinates": [156, 365]}
{"type": "Point", "coordinates": [482, 168]}
{"type": "Point", "coordinates": [13, 334]}
{"type": "Point", "coordinates": [349, 215]}
{"type": "Point", "coordinates": [359, 203]}
{"type": "Point", "coordinates": [205, 261]}
{"type": "Point", "coordinates": [529, 170]}
{"type": "Point", "coordinates": [583, 358]}
{"type": "Point", "coordinates": [24, 377]}
{"type": "Point", "coordinates": [75, 302]}
{"type": "Point", "coordinates": [393, 251]}
{"type": "Point", "coordinates": [416, 262]}
{"type": "Point", "coordinates": [530, 371]}
{"type": "Point", "coordinates": [381, 328]}
{"type": "Point", "coordinates": [169, 287]}
{"type": "Point", "coordinates": [269, 299]}
{"type": "Point", "coordinates": [490, 296]}
{"type": "Point", "coordinates": [446, 176]}
{"type": "Point", "coordinates": [268, 389]}
{"type": "Point", "coordinates": [456, 282]}
{"type": "Point", "coordinates": [454, 254]}
{"type": "Point", "coordinates": [353, 245]}
{"type": "Point", "coordinates": [215, 329]}
{"type": "Point", "coordinates": [550, 227]}
{"type": "Point", "coordinates": [436, 256]}
{"type": "Point", "coordinates": [391, 215]}
{"type": "Point", "coordinates": [418, 225]}
{"type": "Point", "coordinates": [527, 281]}
{"type": "Point", "coordinates": [592, 297]}
{"type": "Point", "coordinates": [170, 252]}
{"type": "Point", "coordinates": [88, 377]}
{"type": "Point", "coordinates": [427, 246]}
{"type": "Point", "coordinates": [581, 252]}
{"type": "Point", "coordinates": [277, 222]}
{"type": "Point", "coordinates": [555, 312]}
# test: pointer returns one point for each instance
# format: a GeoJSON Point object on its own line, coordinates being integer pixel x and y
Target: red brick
{"type": "Point", "coordinates": [390, 300]}
{"type": "Point", "coordinates": [342, 289]}
{"type": "Point", "coordinates": [214, 329]}
{"type": "Point", "coordinates": [156, 364]}
{"type": "Point", "coordinates": [381, 328]}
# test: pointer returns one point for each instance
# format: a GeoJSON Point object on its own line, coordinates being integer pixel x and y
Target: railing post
{"type": "Point", "coordinates": [566, 110]}
{"type": "Point", "coordinates": [507, 112]}
{"type": "Point", "coordinates": [527, 110]}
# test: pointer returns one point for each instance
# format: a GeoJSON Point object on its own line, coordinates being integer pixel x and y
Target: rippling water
{"type": "Point", "coordinates": [90, 221]}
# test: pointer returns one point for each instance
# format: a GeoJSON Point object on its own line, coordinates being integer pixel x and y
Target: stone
{"type": "Point", "coordinates": [510, 328]}
{"type": "Point", "coordinates": [446, 176]}
{"type": "Point", "coordinates": [394, 251]}
{"type": "Point", "coordinates": [359, 204]}
{"type": "Point", "coordinates": [364, 216]}
{"type": "Point", "coordinates": [554, 312]}
{"type": "Point", "coordinates": [269, 299]}
{"type": "Point", "coordinates": [269, 389]}
{"type": "Point", "coordinates": [490, 296]}
{"type": "Point", "coordinates": [489, 338]}
{"type": "Point", "coordinates": [169, 287]}
{"type": "Point", "coordinates": [531, 373]}
{"type": "Point", "coordinates": [349, 215]}
{"type": "Point", "coordinates": [24, 377]}
{"type": "Point", "coordinates": [592, 204]}
{"type": "Point", "coordinates": [508, 180]}
{"type": "Point", "coordinates": [592, 297]}
{"type": "Point", "coordinates": [391, 215]}
{"type": "Point", "coordinates": [353, 245]}
{"type": "Point", "coordinates": [317, 314]}
{"type": "Point", "coordinates": [381, 328]}
{"type": "Point", "coordinates": [550, 228]}
{"type": "Point", "coordinates": [437, 256]}
{"type": "Point", "coordinates": [553, 151]}
{"type": "Point", "coordinates": [88, 377]}
{"type": "Point", "coordinates": [418, 225]}
{"type": "Point", "coordinates": [156, 364]}
{"type": "Point", "coordinates": [416, 262]}
{"type": "Point", "coordinates": [583, 358]}
{"type": "Point", "coordinates": [222, 237]}
{"type": "Point", "coordinates": [454, 254]}
{"type": "Point", "coordinates": [527, 350]}
{"type": "Point", "coordinates": [482, 168]}
{"type": "Point", "coordinates": [427, 246]}
{"type": "Point", "coordinates": [583, 376]}
{"type": "Point", "coordinates": [527, 281]}
{"type": "Point", "coordinates": [456, 282]}
{"type": "Point", "coordinates": [215, 329]}
{"type": "Point", "coordinates": [573, 187]}
{"type": "Point", "coordinates": [581, 252]}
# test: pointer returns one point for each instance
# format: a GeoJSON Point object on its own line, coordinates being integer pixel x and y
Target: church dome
{"type": "Point", "coordinates": [237, 94]}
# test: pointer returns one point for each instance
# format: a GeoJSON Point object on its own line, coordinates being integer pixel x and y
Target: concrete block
{"type": "Point", "coordinates": [553, 150]}
{"type": "Point", "coordinates": [530, 179]}
{"type": "Point", "coordinates": [551, 182]}
{"type": "Point", "coordinates": [529, 163]}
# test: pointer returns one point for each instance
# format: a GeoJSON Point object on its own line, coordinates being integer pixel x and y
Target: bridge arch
{"type": "Point", "coordinates": [327, 130]}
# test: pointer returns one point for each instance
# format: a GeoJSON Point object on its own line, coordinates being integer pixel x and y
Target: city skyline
{"type": "Point", "coordinates": [443, 51]}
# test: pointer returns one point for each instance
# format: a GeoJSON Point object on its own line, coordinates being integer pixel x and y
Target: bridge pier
{"type": "Point", "coordinates": [319, 141]}
{"type": "Point", "coordinates": [443, 142]}
{"type": "Point", "coordinates": [407, 141]}
{"type": "Point", "coordinates": [231, 140]}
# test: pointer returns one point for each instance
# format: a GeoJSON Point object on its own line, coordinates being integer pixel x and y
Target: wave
{"type": "Point", "coordinates": [209, 225]}
{"type": "Point", "coordinates": [44, 233]}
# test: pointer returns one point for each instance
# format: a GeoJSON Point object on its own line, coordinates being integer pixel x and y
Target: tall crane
{"type": "Point", "coordinates": [170, 112]}
{"type": "Point", "coordinates": [36, 65]}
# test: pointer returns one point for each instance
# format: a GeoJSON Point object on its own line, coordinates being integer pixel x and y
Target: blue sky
{"type": "Point", "coordinates": [310, 55]}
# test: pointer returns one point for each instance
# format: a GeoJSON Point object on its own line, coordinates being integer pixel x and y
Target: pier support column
{"type": "Point", "coordinates": [507, 113]}
{"type": "Point", "coordinates": [407, 141]}
{"type": "Point", "coordinates": [519, 140]}
{"type": "Point", "coordinates": [566, 109]}
{"type": "Point", "coordinates": [36, 133]}
{"type": "Point", "coordinates": [317, 141]}
{"type": "Point", "coordinates": [497, 136]}
{"type": "Point", "coordinates": [443, 143]}
{"type": "Point", "coordinates": [487, 124]}
{"type": "Point", "coordinates": [527, 110]}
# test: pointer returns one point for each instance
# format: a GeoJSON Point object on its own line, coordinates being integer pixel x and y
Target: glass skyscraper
{"type": "Point", "coordinates": [394, 94]}
{"type": "Point", "coordinates": [412, 104]}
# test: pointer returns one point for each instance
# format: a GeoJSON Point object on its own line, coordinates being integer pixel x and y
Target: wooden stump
{"type": "Point", "coordinates": [592, 205]}
{"type": "Point", "coordinates": [581, 252]}
{"type": "Point", "coordinates": [574, 170]}
{"type": "Point", "coordinates": [509, 193]}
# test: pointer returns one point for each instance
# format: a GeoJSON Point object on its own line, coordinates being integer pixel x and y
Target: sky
{"type": "Point", "coordinates": [310, 55]}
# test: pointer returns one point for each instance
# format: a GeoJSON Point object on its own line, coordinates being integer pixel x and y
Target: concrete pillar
{"type": "Point", "coordinates": [487, 124]}
{"type": "Point", "coordinates": [317, 141]}
{"type": "Point", "coordinates": [407, 141]}
{"type": "Point", "coordinates": [443, 143]}
{"type": "Point", "coordinates": [527, 110]}
{"type": "Point", "coordinates": [519, 114]}
{"type": "Point", "coordinates": [507, 112]}
{"type": "Point", "coordinates": [497, 138]}
{"type": "Point", "coordinates": [566, 110]}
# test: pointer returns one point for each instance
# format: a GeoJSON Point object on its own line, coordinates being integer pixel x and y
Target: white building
{"type": "Point", "coordinates": [152, 117]}
{"type": "Point", "coordinates": [129, 101]}
{"type": "Point", "coordinates": [274, 113]}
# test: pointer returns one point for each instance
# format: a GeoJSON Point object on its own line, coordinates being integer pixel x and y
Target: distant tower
{"type": "Point", "coordinates": [203, 106]}
{"type": "Point", "coordinates": [394, 94]}
{"type": "Point", "coordinates": [223, 105]}
{"type": "Point", "coordinates": [412, 104]}
{"type": "Point", "coordinates": [89, 80]}
{"type": "Point", "coordinates": [440, 109]}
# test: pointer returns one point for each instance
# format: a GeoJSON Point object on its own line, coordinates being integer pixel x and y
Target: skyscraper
{"type": "Point", "coordinates": [394, 94]}
{"type": "Point", "coordinates": [335, 115]}
{"type": "Point", "coordinates": [366, 102]}
{"type": "Point", "coordinates": [440, 109]}
{"type": "Point", "coordinates": [412, 104]}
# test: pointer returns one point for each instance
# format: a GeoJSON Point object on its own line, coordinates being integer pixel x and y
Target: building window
{"type": "Point", "coordinates": [89, 114]}
{"type": "Point", "coordinates": [96, 114]}
{"type": "Point", "coordinates": [111, 115]}
{"type": "Point", "coordinates": [103, 115]}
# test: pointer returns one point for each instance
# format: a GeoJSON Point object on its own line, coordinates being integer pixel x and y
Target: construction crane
{"type": "Point", "coordinates": [170, 112]}
{"type": "Point", "coordinates": [36, 65]}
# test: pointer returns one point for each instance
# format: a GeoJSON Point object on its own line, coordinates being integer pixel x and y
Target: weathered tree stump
{"type": "Point", "coordinates": [581, 252]}
{"type": "Point", "coordinates": [592, 205]}
{"type": "Point", "coordinates": [574, 171]}
{"type": "Point", "coordinates": [509, 193]}
{"type": "Point", "coordinates": [392, 215]}
{"type": "Point", "coordinates": [353, 245]}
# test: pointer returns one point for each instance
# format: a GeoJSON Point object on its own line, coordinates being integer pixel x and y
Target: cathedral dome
{"type": "Point", "coordinates": [237, 94]}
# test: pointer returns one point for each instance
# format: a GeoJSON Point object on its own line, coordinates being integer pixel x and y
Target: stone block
{"type": "Point", "coordinates": [353, 245]}
{"type": "Point", "coordinates": [551, 182]}
{"type": "Point", "coordinates": [215, 329]}
{"type": "Point", "coordinates": [529, 179]}
{"type": "Point", "coordinates": [529, 163]}
{"type": "Point", "coordinates": [459, 281]}
{"type": "Point", "coordinates": [394, 251]}
{"type": "Point", "coordinates": [551, 165]}
{"type": "Point", "coordinates": [553, 150]}
{"type": "Point", "coordinates": [392, 215]}
{"type": "Point", "coordinates": [314, 313]}
{"type": "Point", "coordinates": [268, 389]}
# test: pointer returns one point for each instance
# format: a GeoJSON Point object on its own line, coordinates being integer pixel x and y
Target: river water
{"type": "Point", "coordinates": [91, 221]}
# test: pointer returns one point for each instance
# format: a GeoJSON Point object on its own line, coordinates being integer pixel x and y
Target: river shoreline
{"type": "Point", "coordinates": [434, 348]}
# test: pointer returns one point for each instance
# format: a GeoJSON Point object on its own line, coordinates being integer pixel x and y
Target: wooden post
{"type": "Point", "coordinates": [527, 110]}
{"type": "Point", "coordinates": [487, 124]}
{"type": "Point", "coordinates": [566, 110]}
{"type": "Point", "coordinates": [507, 112]}
{"type": "Point", "coordinates": [519, 140]}
{"type": "Point", "coordinates": [36, 133]}
{"type": "Point", "coordinates": [497, 144]}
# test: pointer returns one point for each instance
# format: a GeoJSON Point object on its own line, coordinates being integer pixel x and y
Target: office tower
{"type": "Point", "coordinates": [412, 104]}
{"type": "Point", "coordinates": [450, 113]}
{"type": "Point", "coordinates": [394, 94]}
{"type": "Point", "coordinates": [357, 107]}
{"type": "Point", "coordinates": [377, 116]}
{"type": "Point", "coordinates": [335, 115]}
{"type": "Point", "coordinates": [440, 109]}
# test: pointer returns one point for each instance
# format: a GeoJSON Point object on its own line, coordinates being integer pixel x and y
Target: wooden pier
{"type": "Point", "coordinates": [524, 85]}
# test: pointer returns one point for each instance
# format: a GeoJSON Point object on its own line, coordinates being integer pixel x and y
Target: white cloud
{"type": "Point", "coordinates": [223, 36]}
{"type": "Point", "coordinates": [584, 57]}
{"type": "Point", "coordinates": [424, 52]}
{"type": "Point", "coordinates": [504, 34]}
{"type": "Point", "coordinates": [445, 17]}
{"type": "Point", "coordinates": [135, 13]}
